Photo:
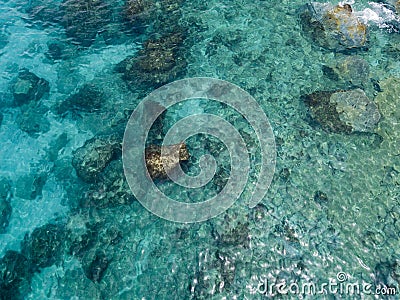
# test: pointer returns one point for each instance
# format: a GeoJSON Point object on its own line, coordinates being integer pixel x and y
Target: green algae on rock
{"type": "Point", "coordinates": [343, 111]}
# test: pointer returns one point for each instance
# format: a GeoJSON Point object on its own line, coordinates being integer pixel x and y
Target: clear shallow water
{"type": "Point", "coordinates": [333, 205]}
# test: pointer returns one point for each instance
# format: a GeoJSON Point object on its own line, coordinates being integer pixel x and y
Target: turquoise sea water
{"type": "Point", "coordinates": [331, 214]}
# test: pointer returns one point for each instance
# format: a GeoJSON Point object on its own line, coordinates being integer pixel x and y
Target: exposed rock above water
{"type": "Point", "coordinates": [333, 27]}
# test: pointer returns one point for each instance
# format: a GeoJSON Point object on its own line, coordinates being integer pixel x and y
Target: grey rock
{"type": "Point", "coordinates": [354, 70]}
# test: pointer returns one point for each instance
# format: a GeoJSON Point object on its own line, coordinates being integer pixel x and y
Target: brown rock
{"type": "Point", "coordinates": [174, 154]}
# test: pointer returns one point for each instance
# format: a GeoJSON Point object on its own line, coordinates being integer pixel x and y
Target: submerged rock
{"type": "Point", "coordinates": [30, 186]}
{"type": "Point", "coordinates": [83, 19]}
{"type": "Point", "coordinates": [92, 158]}
{"type": "Point", "coordinates": [33, 120]}
{"type": "Point", "coordinates": [343, 111]}
{"type": "Point", "coordinates": [139, 13]}
{"type": "Point", "coordinates": [46, 11]}
{"type": "Point", "coordinates": [96, 269]}
{"type": "Point", "coordinates": [111, 189]}
{"type": "Point", "coordinates": [173, 153]}
{"type": "Point", "coordinates": [3, 40]}
{"type": "Point", "coordinates": [29, 87]}
{"type": "Point", "coordinates": [159, 62]}
{"type": "Point", "coordinates": [5, 206]}
{"type": "Point", "coordinates": [89, 98]}
{"type": "Point", "coordinates": [15, 273]}
{"type": "Point", "coordinates": [161, 16]}
{"type": "Point", "coordinates": [5, 213]}
{"type": "Point", "coordinates": [45, 245]}
{"type": "Point", "coordinates": [333, 27]}
{"type": "Point", "coordinates": [354, 70]}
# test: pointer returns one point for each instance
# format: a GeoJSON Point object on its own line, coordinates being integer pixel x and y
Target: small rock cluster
{"type": "Point", "coordinates": [347, 109]}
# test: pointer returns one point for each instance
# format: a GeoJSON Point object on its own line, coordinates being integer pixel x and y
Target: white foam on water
{"type": "Point", "coordinates": [377, 14]}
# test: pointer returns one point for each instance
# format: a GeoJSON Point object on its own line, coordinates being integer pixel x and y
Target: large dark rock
{"type": "Point", "coordinates": [15, 273]}
{"type": "Point", "coordinates": [91, 159]}
{"type": "Point", "coordinates": [343, 111]}
{"type": "Point", "coordinates": [84, 19]}
{"type": "Point", "coordinates": [159, 62]}
{"type": "Point", "coordinates": [138, 13]}
{"type": "Point", "coordinates": [333, 27]}
{"type": "Point", "coordinates": [28, 87]}
{"type": "Point", "coordinates": [45, 245]}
